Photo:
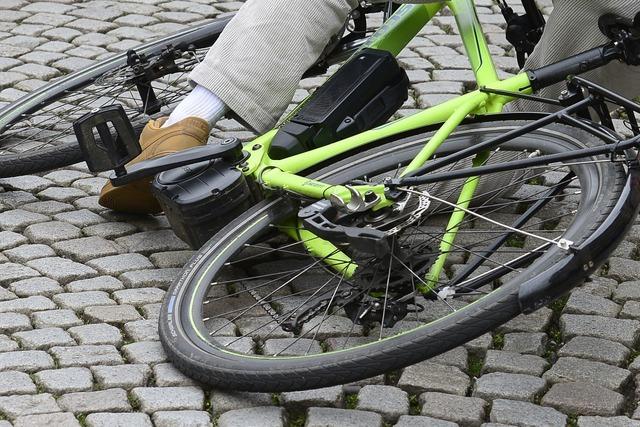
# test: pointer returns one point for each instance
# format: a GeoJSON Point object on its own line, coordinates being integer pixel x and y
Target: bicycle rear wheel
{"type": "Point", "coordinates": [36, 132]}
{"type": "Point", "coordinates": [255, 311]}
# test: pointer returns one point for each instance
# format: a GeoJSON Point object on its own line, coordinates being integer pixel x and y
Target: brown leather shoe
{"type": "Point", "coordinates": [155, 142]}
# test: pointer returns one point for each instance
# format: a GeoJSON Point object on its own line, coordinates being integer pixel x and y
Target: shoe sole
{"type": "Point", "coordinates": [135, 198]}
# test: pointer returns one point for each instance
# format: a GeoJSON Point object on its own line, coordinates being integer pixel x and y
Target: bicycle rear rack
{"type": "Point", "coordinates": [580, 99]}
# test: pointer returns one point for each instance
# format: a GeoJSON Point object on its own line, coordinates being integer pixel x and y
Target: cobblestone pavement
{"type": "Point", "coordinates": [82, 286]}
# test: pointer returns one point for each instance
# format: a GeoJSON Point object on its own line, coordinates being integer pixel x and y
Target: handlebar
{"type": "Point", "coordinates": [624, 46]}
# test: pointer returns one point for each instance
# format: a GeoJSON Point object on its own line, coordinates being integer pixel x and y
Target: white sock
{"type": "Point", "coordinates": [202, 103]}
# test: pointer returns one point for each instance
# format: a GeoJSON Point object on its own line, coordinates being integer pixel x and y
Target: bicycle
{"type": "Point", "coordinates": [399, 242]}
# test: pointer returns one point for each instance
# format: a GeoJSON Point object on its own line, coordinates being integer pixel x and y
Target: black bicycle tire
{"type": "Point", "coordinates": [50, 158]}
{"type": "Point", "coordinates": [241, 373]}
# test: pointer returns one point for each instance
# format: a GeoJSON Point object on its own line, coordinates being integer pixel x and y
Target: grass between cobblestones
{"type": "Point", "coordinates": [133, 401]}
{"type": "Point", "coordinates": [392, 377]}
{"type": "Point", "coordinates": [497, 342]}
{"type": "Point", "coordinates": [82, 419]}
{"type": "Point", "coordinates": [553, 330]}
{"type": "Point", "coordinates": [414, 404]}
{"type": "Point", "coordinates": [351, 401]}
{"type": "Point", "coordinates": [297, 418]}
{"type": "Point", "coordinates": [474, 363]}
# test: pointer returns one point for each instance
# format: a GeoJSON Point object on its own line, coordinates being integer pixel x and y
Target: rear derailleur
{"type": "Point", "coordinates": [383, 290]}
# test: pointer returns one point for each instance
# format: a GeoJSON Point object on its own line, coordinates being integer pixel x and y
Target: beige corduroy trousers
{"type": "Point", "coordinates": [256, 64]}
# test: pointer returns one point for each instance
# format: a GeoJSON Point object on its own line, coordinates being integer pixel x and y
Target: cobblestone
{"type": "Point", "coordinates": [55, 318]}
{"type": "Point", "coordinates": [388, 401]}
{"type": "Point", "coordinates": [621, 330]}
{"type": "Point", "coordinates": [525, 414]}
{"type": "Point", "coordinates": [499, 385]}
{"type": "Point", "coordinates": [137, 297]}
{"type": "Point", "coordinates": [525, 343]}
{"type": "Point", "coordinates": [142, 330]}
{"type": "Point", "coordinates": [149, 242]}
{"type": "Point", "coordinates": [27, 305]}
{"type": "Point", "coordinates": [48, 207]}
{"type": "Point", "coordinates": [24, 253]}
{"type": "Point", "coordinates": [622, 269]}
{"type": "Point", "coordinates": [166, 375]}
{"type": "Point", "coordinates": [168, 398]}
{"type": "Point", "coordinates": [49, 232]}
{"type": "Point", "coordinates": [223, 401]}
{"type": "Point", "coordinates": [535, 322]}
{"type": "Point", "coordinates": [584, 303]}
{"type": "Point", "coordinates": [160, 278]}
{"type": "Point", "coordinates": [60, 419]}
{"type": "Point", "coordinates": [102, 283]}
{"type": "Point", "coordinates": [118, 264]}
{"type": "Point", "coordinates": [630, 310]}
{"type": "Point", "coordinates": [81, 300]}
{"type": "Point", "coordinates": [79, 218]}
{"type": "Point", "coordinates": [42, 339]}
{"type": "Point", "coordinates": [428, 376]}
{"type": "Point", "coordinates": [320, 417]}
{"type": "Point", "coordinates": [112, 400]}
{"type": "Point", "coordinates": [117, 315]}
{"type": "Point", "coordinates": [600, 286]}
{"type": "Point", "coordinates": [111, 419]}
{"type": "Point", "coordinates": [173, 259]}
{"type": "Point", "coordinates": [109, 230]}
{"type": "Point", "coordinates": [20, 405]}
{"type": "Point", "coordinates": [18, 219]}
{"type": "Point", "coordinates": [61, 269]}
{"type": "Point", "coordinates": [121, 376]}
{"type": "Point", "coordinates": [568, 369]}
{"type": "Point", "coordinates": [86, 355]}
{"type": "Point", "coordinates": [14, 322]}
{"type": "Point", "coordinates": [86, 248]}
{"type": "Point", "coordinates": [181, 418]}
{"type": "Point", "coordinates": [504, 361]}
{"type": "Point", "coordinates": [9, 239]}
{"type": "Point", "coordinates": [463, 410]}
{"type": "Point", "coordinates": [607, 422]}
{"type": "Point", "coordinates": [583, 398]}
{"type": "Point", "coordinates": [59, 381]}
{"type": "Point", "coordinates": [25, 361]}
{"type": "Point", "coordinates": [150, 352]}
{"type": "Point", "coordinates": [418, 421]}
{"type": "Point", "coordinates": [97, 334]}
{"type": "Point", "coordinates": [268, 417]}
{"type": "Point", "coordinates": [14, 382]}
{"type": "Point", "coordinates": [326, 397]}
{"type": "Point", "coordinates": [627, 291]}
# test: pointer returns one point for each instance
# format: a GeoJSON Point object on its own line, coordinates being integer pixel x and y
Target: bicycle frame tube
{"type": "Point", "coordinates": [393, 36]}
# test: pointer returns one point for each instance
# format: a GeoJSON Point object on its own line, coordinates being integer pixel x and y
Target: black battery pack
{"type": "Point", "coordinates": [200, 199]}
{"type": "Point", "coordinates": [365, 92]}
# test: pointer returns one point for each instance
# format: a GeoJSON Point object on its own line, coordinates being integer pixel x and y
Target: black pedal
{"type": "Point", "coordinates": [107, 139]}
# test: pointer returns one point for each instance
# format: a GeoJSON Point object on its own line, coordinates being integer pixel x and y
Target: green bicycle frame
{"type": "Point", "coordinates": [393, 36]}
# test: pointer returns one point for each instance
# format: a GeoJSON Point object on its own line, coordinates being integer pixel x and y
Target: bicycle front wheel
{"type": "Point", "coordinates": [36, 132]}
{"type": "Point", "coordinates": [227, 321]}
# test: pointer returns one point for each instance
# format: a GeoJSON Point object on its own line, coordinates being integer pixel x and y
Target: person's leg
{"type": "Point", "coordinates": [573, 28]}
{"type": "Point", "coordinates": [256, 64]}
{"type": "Point", "coordinates": [253, 69]}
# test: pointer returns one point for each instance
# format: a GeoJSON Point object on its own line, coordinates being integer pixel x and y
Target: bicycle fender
{"type": "Point", "coordinates": [558, 280]}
